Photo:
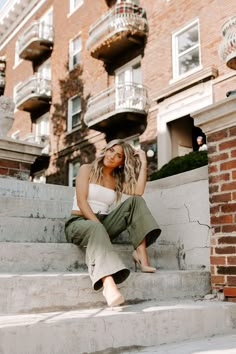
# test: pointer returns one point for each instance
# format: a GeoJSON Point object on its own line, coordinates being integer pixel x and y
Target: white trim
{"type": "Point", "coordinates": [175, 56]}
{"type": "Point", "coordinates": [72, 9]}
{"type": "Point", "coordinates": [22, 23]}
{"type": "Point", "coordinates": [129, 64]}
{"type": "Point", "coordinates": [188, 73]}
{"type": "Point", "coordinates": [69, 116]}
{"type": "Point", "coordinates": [127, 68]}
{"type": "Point", "coordinates": [71, 170]}
{"type": "Point", "coordinates": [72, 53]}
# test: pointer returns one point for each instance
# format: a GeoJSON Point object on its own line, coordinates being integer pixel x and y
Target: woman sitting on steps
{"type": "Point", "coordinates": [118, 169]}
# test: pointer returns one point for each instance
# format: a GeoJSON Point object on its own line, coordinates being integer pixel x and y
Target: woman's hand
{"type": "Point", "coordinates": [142, 178]}
{"type": "Point", "coordinates": [142, 156]}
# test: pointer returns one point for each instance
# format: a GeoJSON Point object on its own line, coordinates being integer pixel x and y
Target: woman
{"type": "Point", "coordinates": [118, 169]}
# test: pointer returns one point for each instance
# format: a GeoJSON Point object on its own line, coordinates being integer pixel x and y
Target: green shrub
{"type": "Point", "coordinates": [181, 164]}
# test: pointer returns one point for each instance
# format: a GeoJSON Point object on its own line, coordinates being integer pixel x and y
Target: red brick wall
{"type": "Point", "coordinates": [222, 180]}
{"type": "Point", "coordinates": [15, 169]}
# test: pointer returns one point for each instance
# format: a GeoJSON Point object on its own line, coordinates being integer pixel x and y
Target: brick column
{"type": "Point", "coordinates": [218, 122]}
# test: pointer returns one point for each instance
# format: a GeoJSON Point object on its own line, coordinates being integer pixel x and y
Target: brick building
{"type": "Point", "coordinates": [82, 71]}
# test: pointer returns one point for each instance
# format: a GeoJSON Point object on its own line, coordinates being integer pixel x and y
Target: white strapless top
{"type": "Point", "coordinates": [100, 199]}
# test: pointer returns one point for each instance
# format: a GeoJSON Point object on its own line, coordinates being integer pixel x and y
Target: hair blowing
{"type": "Point", "coordinates": [125, 176]}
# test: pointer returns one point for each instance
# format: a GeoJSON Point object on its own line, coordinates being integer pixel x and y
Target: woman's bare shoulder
{"type": "Point", "coordinates": [86, 167]}
{"type": "Point", "coordinates": [84, 170]}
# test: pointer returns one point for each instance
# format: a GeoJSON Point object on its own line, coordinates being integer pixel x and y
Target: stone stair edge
{"type": "Point", "coordinates": [166, 323]}
{"type": "Point", "coordinates": [51, 274]}
{"type": "Point", "coordinates": [22, 189]}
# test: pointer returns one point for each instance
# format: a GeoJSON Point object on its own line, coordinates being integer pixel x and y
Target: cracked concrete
{"type": "Point", "coordinates": [181, 206]}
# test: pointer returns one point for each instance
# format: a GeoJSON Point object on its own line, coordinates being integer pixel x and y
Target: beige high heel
{"type": "Point", "coordinates": [144, 269]}
{"type": "Point", "coordinates": [115, 300]}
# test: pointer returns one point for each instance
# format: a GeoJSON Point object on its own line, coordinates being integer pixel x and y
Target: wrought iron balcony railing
{"type": "Point", "coordinates": [126, 98]}
{"type": "Point", "coordinates": [227, 49]}
{"type": "Point", "coordinates": [33, 93]}
{"type": "Point", "coordinates": [36, 40]}
{"type": "Point", "coordinates": [121, 27]}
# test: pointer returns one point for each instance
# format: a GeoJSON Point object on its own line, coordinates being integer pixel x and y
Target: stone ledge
{"type": "Point", "coordinates": [197, 174]}
{"type": "Point", "coordinates": [20, 151]}
{"type": "Point", "coordinates": [218, 116]}
{"type": "Point", "coordinates": [189, 81]}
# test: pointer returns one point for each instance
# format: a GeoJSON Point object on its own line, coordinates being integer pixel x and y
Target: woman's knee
{"type": "Point", "coordinates": [137, 200]}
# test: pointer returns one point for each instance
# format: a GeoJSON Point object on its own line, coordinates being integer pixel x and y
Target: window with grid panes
{"type": "Point", "coordinates": [75, 52]}
{"type": "Point", "coordinates": [186, 50]}
{"type": "Point", "coordinates": [74, 112]}
{"type": "Point", "coordinates": [73, 170]}
{"type": "Point", "coordinates": [75, 4]}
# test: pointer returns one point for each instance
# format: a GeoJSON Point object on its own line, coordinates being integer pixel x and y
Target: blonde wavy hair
{"type": "Point", "coordinates": [125, 176]}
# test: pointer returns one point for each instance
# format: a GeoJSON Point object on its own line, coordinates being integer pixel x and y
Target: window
{"type": "Point", "coordinates": [45, 70]}
{"type": "Point", "coordinates": [75, 52]}
{"type": "Point", "coordinates": [17, 57]}
{"type": "Point", "coordinates": [42, 129]}
{"type": "Point", "coordinates": [46, 23]}
{"type": "Point", "coordinates": [74, 112]}
{"type": "Point", "coordinates": [129, 89]}
{"type": "Point", "coordinates": [73, 170]}
{"type": "Point", "coordinates": [75, 4]}
{"type": "Point", "coordinates": [186, 50]}
{"type": "Point", "coordinates": [130, 73]}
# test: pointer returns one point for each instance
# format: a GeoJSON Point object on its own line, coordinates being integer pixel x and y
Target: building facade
{"type": "Point", "coordinates": [82, 72]}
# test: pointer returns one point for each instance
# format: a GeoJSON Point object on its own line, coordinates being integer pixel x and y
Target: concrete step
{"type": "Point", "coordinates": [30, 208]}
{"type": "Point", "coordinates": [21, 293]}
{"type": "Point", "coordinates": [106, 330]}
{"type": "Point", "coordinates": [37, 191]}
{"type": "Point", "coordinates": [17, 257]}
{"type": "Point", "coordinates": [29, 229]}
{"type": "Point", "coordinates": [212, 345]}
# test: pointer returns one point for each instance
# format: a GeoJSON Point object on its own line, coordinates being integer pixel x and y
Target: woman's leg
{"type": "Point", "coordinates": [101, 259]}
{"type": "Point", "coordinates": [134, 216]}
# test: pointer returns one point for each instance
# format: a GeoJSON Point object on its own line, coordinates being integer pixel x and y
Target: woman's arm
{"type": "Point", "coordinates": [142, 178]}
{"type": "Point", "coordinates": [82, 185]}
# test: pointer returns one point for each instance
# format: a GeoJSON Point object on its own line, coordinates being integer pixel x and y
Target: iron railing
{"type": "Point", "coordinates": [122, 17]}
{"type": "Point", "coordinates": [36, 31]}
{"type": "Point", "coordinates": [227, 48]}
{"type": "Point", "coordinates": [128, 97]}
{"type": "Point", "coordinates": [35, 86]}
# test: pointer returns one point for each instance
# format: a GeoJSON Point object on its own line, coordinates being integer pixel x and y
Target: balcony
{"type": "Point", "coordinates": [33, 94]}
{"type": "Point", "coordinates": [122, 105]}
{"type": "Point", "coordinates": [120, 34]}
{"type": "Point", "coordinates": [36, 41]}
{"type": "Point", "coordinates": [227, 49]}
{"type": "Point", "coordinates": [2, 82]}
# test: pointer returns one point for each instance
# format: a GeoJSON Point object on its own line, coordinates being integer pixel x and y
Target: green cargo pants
{"type": "Point", "coordinates": [132, 215]}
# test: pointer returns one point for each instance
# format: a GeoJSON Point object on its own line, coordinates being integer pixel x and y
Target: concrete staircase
{"type": "Point", "coordinates": [47, 305]}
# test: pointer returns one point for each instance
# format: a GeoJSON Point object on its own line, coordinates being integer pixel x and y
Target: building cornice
{"type": "Point", "coordinates": [14, 15]}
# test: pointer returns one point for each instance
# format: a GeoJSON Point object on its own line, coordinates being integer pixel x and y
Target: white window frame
{"type": "Point", "coordinates": [74, 7]}
{"type": "Point", "coordinates": [72, 176]}
{"type": "Point", "coordinates": [175, 54]}
{"type": "Point", "coordinates": [125, 68]}
{"type": "Point", "coordinates": [45, 69]}
{"type": "Point", "coordinates": [42, 128]}
{"type": "Point", "coordinates": [69, 118]}
{"type": "Point", "coordinates": [73, 52]}
{"type": "Point", "coordinates": [17, 59]}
